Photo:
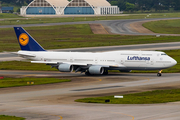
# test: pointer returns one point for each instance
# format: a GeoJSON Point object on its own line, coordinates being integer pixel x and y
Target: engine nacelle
{"type": "Point", "coordinates": [65, 68]}
{"type": "Point", "coordinates": [125, 70]}
{"type": "Point", "coordinates": [97, 70]}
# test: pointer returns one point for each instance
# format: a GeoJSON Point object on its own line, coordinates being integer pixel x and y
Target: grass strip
{"type": "Point", "coordinates": [8, 15]}
{"type": "Point", "coordinates": [164, 26]}
{"type": "Point", "coordinates": [39, 20]}
{"type": "Point", "coordinates": [15, 82]}
{"type": "Point", "coordinates": [21, 65]}
{"type": "Point", "coordinates": [75, 36]}
{"type": "Point", "coordinates": [151, 97]}
{"type": "Point", "coordinates": [6, 117]}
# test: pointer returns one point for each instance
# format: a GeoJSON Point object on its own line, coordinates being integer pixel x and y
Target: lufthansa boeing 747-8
{"type": "Point", "coordinates": [92, 63]}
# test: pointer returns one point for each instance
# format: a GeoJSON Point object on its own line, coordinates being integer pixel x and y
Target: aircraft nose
{"type": "Point", "coordinates": [174, 62]}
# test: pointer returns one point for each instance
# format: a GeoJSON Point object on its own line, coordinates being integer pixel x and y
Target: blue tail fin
{"type": "Point", "coordinates": [26, 42]}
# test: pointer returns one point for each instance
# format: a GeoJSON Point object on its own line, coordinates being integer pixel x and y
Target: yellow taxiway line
{"type": "Point", "coordinates": [104, 29]}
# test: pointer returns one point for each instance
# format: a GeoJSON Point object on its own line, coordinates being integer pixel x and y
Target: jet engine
{"type": "Point", "coordinates": [65, 68]}
{"type": "Point", "coordinates": [97, 70]}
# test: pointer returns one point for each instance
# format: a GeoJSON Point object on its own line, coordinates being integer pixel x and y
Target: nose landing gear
{"type": "Point", "coordinates": [159, 73]}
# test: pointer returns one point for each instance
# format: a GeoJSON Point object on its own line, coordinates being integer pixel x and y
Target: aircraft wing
{"type": "Point", "coordinates": [49, 62]}
{"type": "Point", "coordinates": [79, 64]}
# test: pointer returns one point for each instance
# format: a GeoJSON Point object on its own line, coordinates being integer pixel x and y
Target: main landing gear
{"type": "Point", "coordinates": [105, 72]}
{"type": "Point", "coordinates": [159, 73]}
{"type": "Point", "coordinates": [87, 73]}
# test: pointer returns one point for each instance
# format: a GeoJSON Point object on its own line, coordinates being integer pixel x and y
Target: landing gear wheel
{"type": "Point", "coordinates": [87, 73]}
{"type": "Point", "coordinates": [159, 74]}
{"type": "Point", "coordinates": [105, 72]}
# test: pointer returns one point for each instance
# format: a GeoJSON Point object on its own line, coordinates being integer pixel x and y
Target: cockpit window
{"type": "Point", "coordinates": [163, 54]}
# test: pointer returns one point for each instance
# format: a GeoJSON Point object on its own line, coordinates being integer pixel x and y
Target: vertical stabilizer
{"type": "Point", "coordinates": [26, 42]}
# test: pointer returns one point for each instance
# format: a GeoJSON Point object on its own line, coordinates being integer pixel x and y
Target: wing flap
{"type": "Point", "coordinates": [112, 65]}
{"type": "Point", "coordinates": [51, 62]}
{"type": "Point", "coordinates": [79, 64]}
{"type": "Point", "coordinates": [44, 62]}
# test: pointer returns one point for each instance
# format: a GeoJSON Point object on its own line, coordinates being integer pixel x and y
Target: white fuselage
{"type": "Point", "coordinates": [121, 60]}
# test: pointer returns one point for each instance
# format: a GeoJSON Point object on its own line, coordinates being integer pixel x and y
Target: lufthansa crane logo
{"type": "Point", "coordinates": [23, 39]}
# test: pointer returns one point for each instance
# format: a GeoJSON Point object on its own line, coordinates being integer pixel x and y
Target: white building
{"type": "Point", "coordinates": [64, 7]}
{"type": "Point", "coordinates": [102, 7]}
{"type": "Point", "coordinates": [44, 7]}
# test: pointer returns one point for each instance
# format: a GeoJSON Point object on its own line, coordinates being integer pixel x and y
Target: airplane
{"type": "Point", "coordinates": [98, 63]}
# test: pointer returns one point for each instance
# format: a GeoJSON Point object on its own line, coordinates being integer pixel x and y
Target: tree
{"type": "Point", "coordinates": [130, 7]}
{"type": "Point", "coordinates": [122, 5]}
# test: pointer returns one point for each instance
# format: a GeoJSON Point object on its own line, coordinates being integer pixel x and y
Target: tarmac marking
{"type": "Point", "coordinates": [99, 80]}
{"type": "Point", "coordinates": [60, 117]}
{"type": "Point", "coordinates": [33, 113]}
{"type": "Point", "coordinates": [104, 29]}
{"type": "Point", "coordinates": [38, 75]}
{"type": "Point", "coordinates": [125, 115]}
{"type": "Point", "coordinates": [98, 88]}
{"type": "Point", "coordinates": [147, 81]}
{"type": "Point", "coordinates": [106, 112]}
{"type": "Point", "coordinates": [52, 115]}
{"type": "Point", "coordinates": [29, 75]}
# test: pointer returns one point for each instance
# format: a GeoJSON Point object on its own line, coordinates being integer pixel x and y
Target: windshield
{"type": "Point", "coordinates": [163, 54]}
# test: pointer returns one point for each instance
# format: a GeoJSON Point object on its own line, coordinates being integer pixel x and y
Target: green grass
{"type": "Point", "coordinates": [164, 26]}
{"type": "Point", "coordinates": [20, 65]}
{"type": "Point", "coordinates": [33, 20]}
{"type": "Point", "coordinates": [14, 82]}
{"type": "Point", "coordinates": [8, 15]}
{"type": "Point", "coordinates": [74, 36]}
{"type": "Point", "coordinates": [151, 97]}
{"type": "Point", "coordinates": [151, 11]}
{"type": "Point", "coordinates": [5, 117]}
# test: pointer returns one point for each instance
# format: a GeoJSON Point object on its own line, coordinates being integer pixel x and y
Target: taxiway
{"type": "Point", "coordinates": [56, 101]}
{"type": "Point", "coordinates": [114, 26]}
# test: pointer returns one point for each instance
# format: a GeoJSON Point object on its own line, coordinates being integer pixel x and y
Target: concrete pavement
{"type": "Point", "coordinates": [56, 101]}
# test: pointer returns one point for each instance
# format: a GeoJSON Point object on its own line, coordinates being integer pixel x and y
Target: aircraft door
{"type": "Point", "coordinates": [152, 61]}
{"type": "Point", "coordinates": [42, 58]}
{"type": "Point", "coordinates": [71, 59]}
{"type": "Point", "coordinates": [122, 61]}
{"type": "Point", "coordinates": [142, 64]}
{"type": "Point", "coordinates": [96, 60]}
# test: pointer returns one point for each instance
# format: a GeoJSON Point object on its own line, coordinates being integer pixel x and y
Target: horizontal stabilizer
{"type": "Point", "coordinates": [44, 62]}
{"type": "Point", "coordinates": [26, 55]}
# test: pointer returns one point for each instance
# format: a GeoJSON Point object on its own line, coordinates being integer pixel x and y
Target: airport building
{"type": "Point", "coordinates": [64, 7]}
{"type": "Point", "coordinates": [6, 9]}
